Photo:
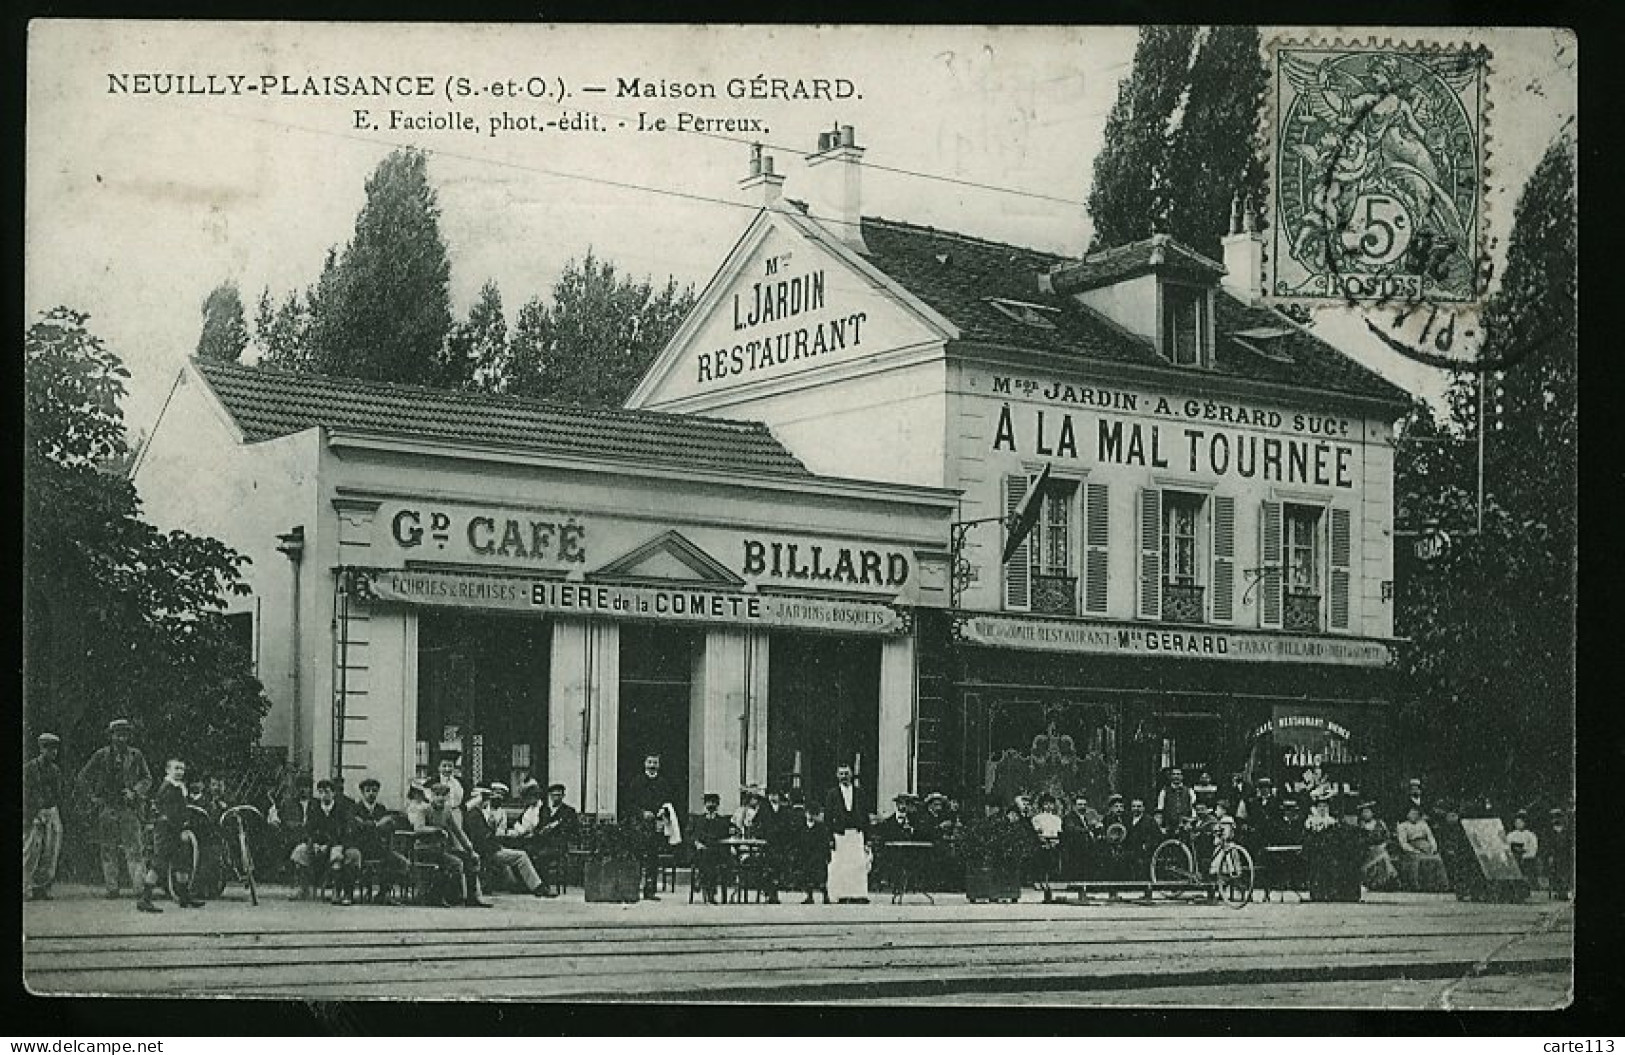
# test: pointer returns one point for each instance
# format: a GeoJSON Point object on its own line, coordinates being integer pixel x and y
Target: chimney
{"type": "Point", "coordinates": [1244, 253]}
{"type": "Point", "coordinates": [837, 170]}
{"type": "Point", "coordinates": [763, 184]}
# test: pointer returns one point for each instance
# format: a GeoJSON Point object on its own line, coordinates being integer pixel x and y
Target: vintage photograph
{"type": "Point", "coordinates": [846, 515]}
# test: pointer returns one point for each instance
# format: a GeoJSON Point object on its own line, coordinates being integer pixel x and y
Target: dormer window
{"type": "Point", "coordinates": [1039, 316]}
{"type": "Point", "coordinates": [1185, 325]}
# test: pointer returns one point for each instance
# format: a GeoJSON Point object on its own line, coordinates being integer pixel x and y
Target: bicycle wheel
{"type": "Point", "coordinates": [189, 866]}
{"type": "Point", "coordinates": [1172, 864]}
{"type": "Point", "coordinates": [1235, 875]}
{"type": "Point", "coordinates": [243, 862]}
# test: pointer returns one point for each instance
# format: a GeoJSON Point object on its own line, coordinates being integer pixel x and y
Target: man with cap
{"type": "Point", "coordinates": [331, 843]}
{"type": "Point", "coordinates": [1261, 816]}
{"type": "Point", "coordinates": [42, 817]}
{"type": "Point", "coordinates": [374, 823]}
{"type": "Point", "coordinates": [460, 859]}
{"type": "Point", "coordinates": [480, 815]}
{"type": "Point", "coordinates": [116, 781]}
{"type": "Point", "coordinates": [548, 828]}
{"type": "Point", "coordinates": [813, 846]}
{"type": "Point", "coordinates": [710, 853]}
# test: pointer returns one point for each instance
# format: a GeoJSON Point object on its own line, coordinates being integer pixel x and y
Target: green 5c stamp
{"type": "Point", "coordinates": [1378, 162]}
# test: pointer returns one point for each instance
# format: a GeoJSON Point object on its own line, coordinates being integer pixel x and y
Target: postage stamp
{"type": "Point", "coordinates": [1378, 160]}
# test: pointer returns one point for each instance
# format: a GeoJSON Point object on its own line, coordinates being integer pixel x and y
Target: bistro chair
{"type": "Point", "coordinates": [424, 851]}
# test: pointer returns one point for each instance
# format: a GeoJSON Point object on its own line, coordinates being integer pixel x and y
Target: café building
{"type": "Point", "coordinates": [553, 591]}
{"type": "Point", "coordinates": [1208, 577]}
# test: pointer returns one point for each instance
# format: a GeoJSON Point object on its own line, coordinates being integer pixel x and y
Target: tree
{"type": "Point", "coordinates": [1492, 622]}
{"type": "Point", "coordinates": [225, 330]}
{"type": "Point", "coordinates": [279, 332]}
{"type": "Point", "coordinates": [1126, 202]}
{"type": "Point", "coordinates": [383, 311]}
{"type": "Point", "coordinates": [119, 617]}
{"type": "Point", "coordinates": [476, 354]}
{"type": "Point", "coordinates": [1215, 153]}
{"type": "Point", "coordinates": [597, 337]}
{"type": "Point", "coordinates": [1182, 139]}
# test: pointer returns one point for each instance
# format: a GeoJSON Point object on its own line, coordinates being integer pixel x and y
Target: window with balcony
{"type": "Point", "coordinates": [1301, 555]}
{"type": "Point", "coordinates": [1182, 589]}
{"type": "Point", "coordinates": [1053, 552]}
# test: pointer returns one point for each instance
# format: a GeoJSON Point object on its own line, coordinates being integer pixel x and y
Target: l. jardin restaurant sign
{"type": "Point", "coordinates": [651, 603]}
{"type": "Point", "coordinates": [1106, 639]}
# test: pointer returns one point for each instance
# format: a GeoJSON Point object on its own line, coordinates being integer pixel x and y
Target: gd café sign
{"type": "Point", "coordinates": [541, 538]}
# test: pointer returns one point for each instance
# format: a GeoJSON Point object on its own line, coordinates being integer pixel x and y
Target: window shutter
{"type": "Point", "coordinates": [1269, 554]}
{"type": "Point", "coordinates": [1018, 569]}
{"type": "Point", "coordinates": [1150, 554]}
{"type": "Point", "coordinates": [1224, 558]}
{"type": "Point", "coordinates": [1097, 533]}
{"type": "Point", "coordinates": [1340, 559]}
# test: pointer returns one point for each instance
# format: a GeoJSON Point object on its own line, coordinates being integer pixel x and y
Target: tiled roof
{"type": "Point", "coordinates": [961, 277]}
{"type": "Point", "coordinates": [267, 403]}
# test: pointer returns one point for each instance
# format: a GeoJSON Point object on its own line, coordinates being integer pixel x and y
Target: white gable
{"type": "Point", "coordinates": [789, 307]}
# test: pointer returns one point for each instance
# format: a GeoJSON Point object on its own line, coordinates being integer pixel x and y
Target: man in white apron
{"type": "Point", "coordinates": [848, 818]}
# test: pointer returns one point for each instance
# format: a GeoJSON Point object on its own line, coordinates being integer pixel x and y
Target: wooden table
{"type": "Point", "coordinates": [743, 853]}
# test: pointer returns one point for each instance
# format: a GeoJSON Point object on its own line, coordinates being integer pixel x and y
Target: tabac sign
{"type": "Point", "coordinates": [675, 604]}
{"type": "Point", "coordinates": [1108, 639]}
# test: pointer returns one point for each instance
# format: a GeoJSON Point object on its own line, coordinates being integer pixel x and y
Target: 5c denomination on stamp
{"type": "Point", "coordinates": [1378, 159]}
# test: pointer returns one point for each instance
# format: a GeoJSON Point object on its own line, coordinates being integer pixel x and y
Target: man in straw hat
{"type": "Point", "coordinates": [42, 817]}
{"type": "Point", "coordinates": [116, 781]}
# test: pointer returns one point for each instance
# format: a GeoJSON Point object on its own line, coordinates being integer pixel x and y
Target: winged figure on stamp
{"type": "Point", "coordinates": [1374, 138]}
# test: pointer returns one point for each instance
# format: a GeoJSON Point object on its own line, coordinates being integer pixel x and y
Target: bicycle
{"type": "Point", "coordinates": [241, 865]}
{"type": "Point", "coordinates": [1230, 874]}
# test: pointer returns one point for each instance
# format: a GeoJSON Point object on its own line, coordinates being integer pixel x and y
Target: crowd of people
{"type": "Point", "coordinates": [784, 840]}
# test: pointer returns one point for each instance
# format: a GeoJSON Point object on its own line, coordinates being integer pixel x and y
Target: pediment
{"type": "Point", "coordinates": [668, 558]}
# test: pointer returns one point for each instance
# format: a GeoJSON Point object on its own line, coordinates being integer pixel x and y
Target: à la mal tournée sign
{"type": "Point", "coordinates": [1107, 639]}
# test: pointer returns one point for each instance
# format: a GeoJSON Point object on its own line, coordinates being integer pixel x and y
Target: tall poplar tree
{"type": "Point", "coordinates": [1215, 153]}
{"type": "Point", "coordinates": [1126, 202]}
{"type": "Point", "coordinates": [384, 311]}
{"type": "Point", "coordinates": [225, 329]}
{"type": "Point", "coordinates": [1182, 139]}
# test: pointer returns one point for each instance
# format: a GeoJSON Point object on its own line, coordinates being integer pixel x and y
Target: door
{"type": "Point", "coordinates": [657, 666]}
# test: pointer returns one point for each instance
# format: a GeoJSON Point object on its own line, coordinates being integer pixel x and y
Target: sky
{"type": "Point", "coordinates": [140, 200]}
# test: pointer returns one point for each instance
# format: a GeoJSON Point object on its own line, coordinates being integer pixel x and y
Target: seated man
{"type": "Point", "coordinates": [374, 822]}
{"type": "Point", "coordinates": [481, 818]}
{"type": "Point", "coordinates": [710, 855]}
{"type": "Point", "coordinates": [288, 816]}
{"type": "Point", "coordinates": [330, 844]}
{"type": "Point", "coordinates": [460, 859]}
{"type": "Point", "coordinates": [548, 830]}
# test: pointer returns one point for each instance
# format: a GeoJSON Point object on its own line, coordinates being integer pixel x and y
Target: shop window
{"type": "Point", "coordinates": [1184, 324]}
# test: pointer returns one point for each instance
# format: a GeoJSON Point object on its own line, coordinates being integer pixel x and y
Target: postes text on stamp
{"type": "Point", "coordinates": [1377, 173]}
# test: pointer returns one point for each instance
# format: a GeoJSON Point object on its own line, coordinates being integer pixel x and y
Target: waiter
{"type": "Point", "coordinates": [645, 802]}
{"type": "Point", "coordinates": [116, 781]}
{"type": "Point", "coordinates": [848, 820]}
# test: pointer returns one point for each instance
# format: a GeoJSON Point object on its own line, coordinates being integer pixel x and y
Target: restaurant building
{"type": "Point", "coordinates": [552, 591]}
{"type": "Point", "coordinates": [1209, 580]}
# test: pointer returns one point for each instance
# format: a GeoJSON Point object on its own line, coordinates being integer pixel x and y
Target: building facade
{"type": "Point", "coordinates": [553, 592]}
{"type": "Point", "coordinates": [1208, 579]}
